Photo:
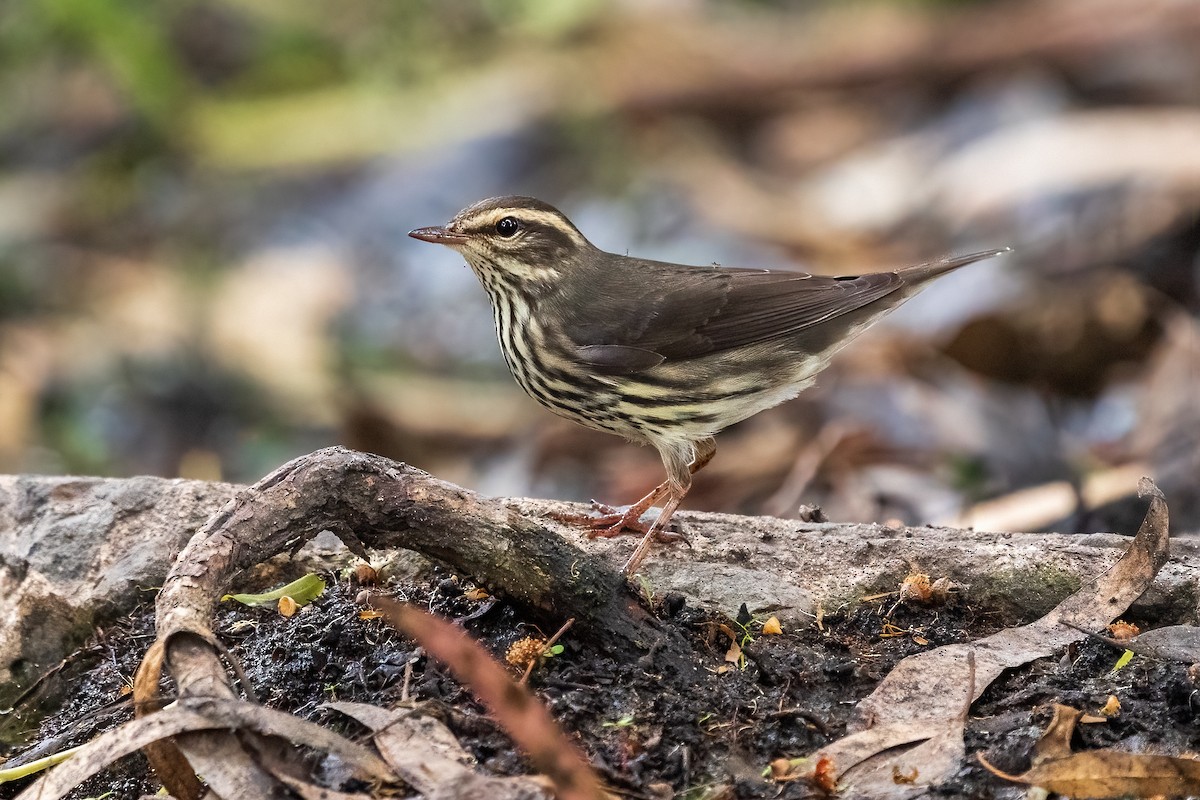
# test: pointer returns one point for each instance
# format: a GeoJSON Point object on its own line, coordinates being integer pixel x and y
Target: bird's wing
{"type": "Point", "coordinates": [771, 305]}
{"type": "Point", "coordinates": [677, 312]}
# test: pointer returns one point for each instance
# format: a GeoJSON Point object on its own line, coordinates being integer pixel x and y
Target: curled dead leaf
{"type": "Point", "coordinates": [365, 574]}
{"type": "Point", "coordinates": [1100, 773]}
{"type": "Point", "coordinates": [287, 606]}
{"type": "Point", "coordinates": [1103, 774]}
{"type": "Point", "coordinates": [781, 770]}
{"type": "Point", "coordinates": [824, 775]}
{"type": "Point", "coordinates": [1123, 631]}
{"type": "Point", "coordinates": [917, 588]}
{"type": "Point", "coordinates": [942, 589]}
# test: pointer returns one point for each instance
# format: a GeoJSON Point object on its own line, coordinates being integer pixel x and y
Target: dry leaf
{"type": "Point", "coordinates": [1055, 741]}
{"type": "Point", "coordinates": [734, 654]}
{"type": "Point", "coordinates": [824, 775]}
{"type": "Point", "coordinates": [422, 750]}
{"type": "Point", "coordinates": [1110, 774]}
{"type": "Point", "coordinates": [916, 587]}
{"type": "Point", "coordinates": [365, 574]}
{"type": "Point", "coordinates": [1122, 630]}
{"type": "Point", "coordinates": [913, 716]}
{"type": "Point", "coordinates": [1100, 773]}
{"type": "Point", "coordinates": [287, 606]}
{"type": "Point", "coordinates": [519, 712]}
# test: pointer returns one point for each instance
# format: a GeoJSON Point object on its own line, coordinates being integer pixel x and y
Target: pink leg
{"type": "Point", "coordinates": [664, 518]}
{"type": "Point", "coordinates": [614, 522]}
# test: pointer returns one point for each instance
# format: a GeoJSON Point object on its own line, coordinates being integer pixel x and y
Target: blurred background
{"type": "Point", "coordinates": [204, 268]}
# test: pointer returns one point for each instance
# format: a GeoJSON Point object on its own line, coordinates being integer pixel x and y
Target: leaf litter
{"type": "Point", "coordinates": [698, 735]}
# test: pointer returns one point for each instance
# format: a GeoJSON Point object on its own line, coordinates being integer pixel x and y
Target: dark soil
{"type": "Point", "coordinates": [793, 692]}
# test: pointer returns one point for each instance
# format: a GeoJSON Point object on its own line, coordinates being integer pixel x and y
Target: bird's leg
{"type": "Point", "coordinates": [615, 522]}
{"type": "Point", "coordinates": [654, 532]}
{"type": "Point", "coordinates": [681, 463]}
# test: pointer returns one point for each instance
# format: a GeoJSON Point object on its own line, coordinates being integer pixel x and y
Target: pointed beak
{"type": "Point", "coordinates": [438, 235]}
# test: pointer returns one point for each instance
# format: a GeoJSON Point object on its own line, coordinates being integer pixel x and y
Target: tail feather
{"type": "Point", "coordinates": [931, 269]}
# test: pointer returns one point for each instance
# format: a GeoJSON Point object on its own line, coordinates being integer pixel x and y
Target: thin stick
{"type": "Point", "coordinates": [549, 643]}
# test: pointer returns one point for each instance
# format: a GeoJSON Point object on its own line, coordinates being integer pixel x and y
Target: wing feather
{"type": "Point", "coordinates": [681, 312]}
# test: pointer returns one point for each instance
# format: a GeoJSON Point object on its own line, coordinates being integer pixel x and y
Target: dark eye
{"type": "Point", "coordinates": [508, 227]}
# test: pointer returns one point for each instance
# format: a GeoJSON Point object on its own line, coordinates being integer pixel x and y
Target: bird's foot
{"type": "Point", "coordinates": [611, 522]}
{"type": "Point", "coordinates": [608, 515]}
{"type": "Point", "coordinates": [623, 526]}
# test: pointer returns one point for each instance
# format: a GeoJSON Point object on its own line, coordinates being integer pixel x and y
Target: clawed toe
{"type": "Point", "coordinates": [611, 523]}
{"type": "Point", "coordinates": [607, 522]}
{"type": "Point", "coordinates": [605, 510]}
{"type": "Point", "coordinates": [608, 527]}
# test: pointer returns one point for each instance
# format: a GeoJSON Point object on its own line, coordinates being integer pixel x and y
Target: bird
{"type": "Point", "coordinates": [662, 354]}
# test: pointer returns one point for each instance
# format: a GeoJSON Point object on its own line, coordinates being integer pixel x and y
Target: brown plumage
{"type": "Point", "coordinates": [662, 354]}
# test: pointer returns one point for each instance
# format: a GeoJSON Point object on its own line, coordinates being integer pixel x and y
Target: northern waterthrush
{"type": "Point", "coordinates": [662, 354]}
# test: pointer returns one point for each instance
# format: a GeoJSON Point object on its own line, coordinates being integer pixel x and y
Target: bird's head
{"type": "Point", "coordinates": [511, 239]}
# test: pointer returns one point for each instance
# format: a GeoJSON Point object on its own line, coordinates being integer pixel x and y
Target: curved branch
{"type": "Point", "coordinates": [371, 501]}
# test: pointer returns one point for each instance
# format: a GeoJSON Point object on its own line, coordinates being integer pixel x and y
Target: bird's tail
{"type": "Point", "coordinates": [922, 273]}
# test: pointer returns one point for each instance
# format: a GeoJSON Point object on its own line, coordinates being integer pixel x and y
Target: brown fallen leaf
{"type": "Point", "coordinates": [914, 716]}
{"type": "Point", "coordinates": [1100, 773]}
{"type": "Point", "coordinates": [168, 763]}
{"type": "Point", "coordinates": [424, 752]}
{"type": "Point", "coordinates": [200, 715]}
{"type": "Point", "coordinates": [526, 720]}
{"type": "Point", "coordinates": [1123, 630]}
{"type": "Point", "coordinates": [287, 606]}
{"type": "Point", "coordinates": [1055, 741]}
{"type": "Point", "coordinates": [1111, 773]}
{"type": "Point", "coordinates": [916, 588]}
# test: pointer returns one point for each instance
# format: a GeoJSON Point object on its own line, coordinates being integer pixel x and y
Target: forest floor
{"type": "Point", "coordinates": [712, 735]}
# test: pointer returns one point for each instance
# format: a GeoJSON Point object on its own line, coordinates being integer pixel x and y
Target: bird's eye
{"type": "Point", "coordinates": [508, 227]}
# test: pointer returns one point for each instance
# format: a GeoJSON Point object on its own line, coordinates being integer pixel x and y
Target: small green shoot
{"type": "Point", "coordinates": [34, 767]}
{"type": "Point", "coordinates": [624, 722]}
{"type": "Point", "coordinates": [1122, 662]}
{"type": "Point", "coordinates": [644, 586]}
